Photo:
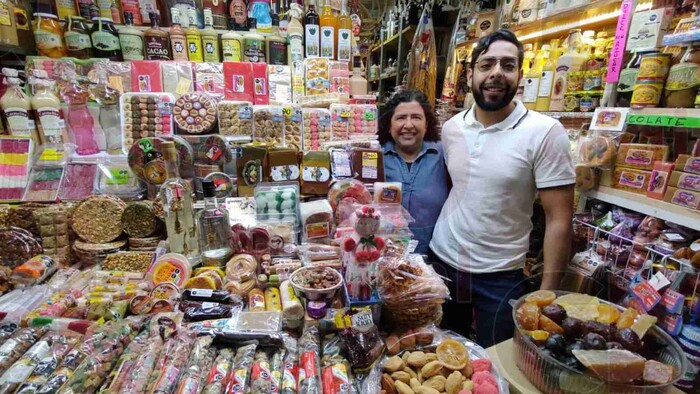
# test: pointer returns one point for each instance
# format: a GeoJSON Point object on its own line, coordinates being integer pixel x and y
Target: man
{"type": "Point", "coordinates": [500, 156]}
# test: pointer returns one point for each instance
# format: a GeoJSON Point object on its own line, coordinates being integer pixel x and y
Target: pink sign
{"type": "Point", "coordinates": [618, 50]}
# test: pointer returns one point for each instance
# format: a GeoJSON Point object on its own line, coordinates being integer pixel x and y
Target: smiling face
{"type": "Point", "coordinates": [495, 76]}
{"type": "Point", "coordinates": [408, 126]}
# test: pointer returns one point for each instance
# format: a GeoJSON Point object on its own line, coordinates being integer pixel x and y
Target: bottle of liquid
{"type": "Point", "coordinates": [532, 81]}
{"type": "Point", "coordinates": [48, 35]}
{"type": "Point", "coordinates": [311, 31]}
{"type": "Point", "coordinates": [77, 37]}
{"type": "Point", "coordinates": [214, 229]}
{"type": "Point", "coordinates": [210, 39]}
{"type": "Point", "coordinates": [80, 122]}
{"type": "Point", "coordinates": [571, 61]}
{"type": "Point", "coordinates": [374, 71]}
{"type": "Point", "coordinates": [545, 89]}
{"type": "Point", "coordinates": [276, 45]}
{"type": "Point", "coordinates": [17, 107]}
{"type": "Point", "coordinates": [178, 37]}
{"type": "Point", "coordinates": [358, 84]}
{"type": "Point", "coordinates": [327, 31]}
{"type": "Point", "coordinates": [344, 34]}
{"type": "Point", "coordinates": [238, 9]}
{"type": "Point", "coordinates": [283, 18]}
{"type": "Point", "coordinates": [131, 39]}
{"type": "Point", "coordinates": [254, 44]}
{"type": "Point", "coordinates": [194, 39]}
{"type": "Point", "coordinates": [176, 195]}
{"type": "Point", "coordinates": [157, 40]}
{"type": "Point", "coordinates": [295, 33]}
{"type": "Point", "coordinates": [105, 39]}
{"type": "Point", "coordinates": [260, 10]}
{"type": "Point", "coordinates": [47, 109]}
{"type": "Point", "coordinates": [233, 45]}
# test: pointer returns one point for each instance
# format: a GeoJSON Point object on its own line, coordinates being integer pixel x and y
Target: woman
{"type": "Point", "coordinates": [413, 156]}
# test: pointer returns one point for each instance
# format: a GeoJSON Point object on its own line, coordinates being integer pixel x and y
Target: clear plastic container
{"type": "Point", "coordinates": [364, 120]}
{"type": "Point", "coordinates": [268, 124]}
{"type": "Point", "coordinates": [317, 128]}
{"type": "Point", "coordinates": [293, 126]}
{"type": "Point", "coordinates": [145, 115]}
{"type": "Point", "coordinates": [78, 181]}
{"type": "Point", "coordinates": [114, 177]}
{"type": "Point", "coordinates": [317, 76]}
{"type": "Point", "coordinates": [53, 155]}
{"type": "Point", "coordinates": [147, 162]}
{"type": "Point", "coordinates": [13, 177]}
{"type": "Point", "coordinates": [236, 119]}
{"type": "Point", "coordinates": [44, 184]}
{"type": "Point", "coordinates": [195, 113]}
{"type": "Point", "coordinates": [341, 119]}
{"type": "Point", "coordinates": [277, 202]}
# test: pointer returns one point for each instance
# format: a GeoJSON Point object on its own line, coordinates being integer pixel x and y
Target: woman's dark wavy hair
{"type": "Point", "coordinates": [407, 96]}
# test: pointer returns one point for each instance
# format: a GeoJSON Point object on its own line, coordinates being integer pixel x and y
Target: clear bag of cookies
{"type": "Point", "coordinates": [293, 126]}
{"type": "Point", "coordinates": [236, 119]}
{"type": "Point", "coordinates": [317, 128]}
{"type": "Point", "coordinates": [341, 119]}
{"type": "Point", "coordinates": [363, 122]}
{"type": "Point", "coordinates": [145, 115]}
{"type": "Point", "coordinates": [195, 113]}
{"type": "Point", "coordinates": [317, 76]}
{"type": "Point", "coordinates": [268, 124]}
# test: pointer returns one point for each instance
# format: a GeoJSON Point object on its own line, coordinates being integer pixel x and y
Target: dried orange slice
{"type": "Point", "coordinates": [549, 325]}
{"type": "Point", "coordinates": [452, 354]}
{"type": "Point", "coordinates": [541, 297]}
{"type": "Point", "coordinates": [528, 316]}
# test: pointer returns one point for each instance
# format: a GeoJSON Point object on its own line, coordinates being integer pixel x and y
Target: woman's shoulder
{"type": "Point", "coordinates": [434, 145]}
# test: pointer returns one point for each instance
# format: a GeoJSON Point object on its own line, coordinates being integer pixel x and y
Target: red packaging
{"type": "Point", "coordinates": [133, 7]}
{"type": "Point", "coordinates": [262, 96]}
{"type": "Point", "coordinates": [335, 379]}
{"type": "Point", "coordinates": [146, 76]}
{"type": "Point", "coordinates": [238, 81]}
{"type": "Point", "coordinates": [659, 179]}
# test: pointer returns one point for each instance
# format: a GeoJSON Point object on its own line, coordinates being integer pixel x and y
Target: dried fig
{"type": "Point", "coordinates": [453, 383]}
{"type": "Point", "coordinates": [403, 388]}
{"type": "Point", "coordinates": [388, 384]}
{"type": "Point", "coordinates": [408, 340]}
{"type": "Point", "coordinates": [401, 376]}
{"type": "Point", "coordinates": [417, 360]}
{"type": "Point", "coordinates": [437, 382]}
{"type": "Point", "coordinates": [394, 364]}
{"type": "Point", "coordinates": [392, 345]}
{"type": "Point", "coordinates": [431, 369]}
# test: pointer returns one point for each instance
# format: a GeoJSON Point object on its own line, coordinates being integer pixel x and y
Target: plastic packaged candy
{"type": "Point", "coordinates": [178, 77]}
{"type": "Point", "coordinates": [35, 270]}
{"type": "Point", "coordinates": [78, 181]}
{"type": "Point", "coordinates": [317, 128]}
{"type": "Point", "coordinates": [364, 120]}
{"type": "Point", "coordinates": [114, 177]}
{"type": "Point", "coordinates": [239, 375]}
{"type": "Point", "coordinates": [236, 119]}
{"type": "Point", "coordinates": [195, 113]}
{"type": "Point", "coordinates": [310, 361]}
{"type": "Point", "coordinates": [293, 126]}
{"type": "Point", "coordinates": [268, 124]}
{"type": "Point", "coordinates": [209, 78]}
{"type": "Point", "coordinates": [210, 150]}
{"type": "Point", "coordinates": [44, 184]}
{"type": "Point", "coordinates": [317, 76]}
{"type": "Point", "coordinates": [81, 123]}
{"type": "Point", "coordinates": [15, 164]}
{"type": "Point", "coordinates": [348, 190]}
{"type": "Point", "coordinates": [147, 163]}
{"type": "Point", "coordinates": [171, 267]}
{"type": "Point", "coordinates": [53, 155]}
{"type": "Point", "coordinates": [145, 115]}
{"type": "Point", "coordinates": [12, 349]}
{"type": "Point", "coordinates": [341, 117]}
{"type": "Point", "coordinates": [277, 202]}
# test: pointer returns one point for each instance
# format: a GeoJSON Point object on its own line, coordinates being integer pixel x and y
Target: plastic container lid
{"type": "Point", "coordinates": [170, 268]}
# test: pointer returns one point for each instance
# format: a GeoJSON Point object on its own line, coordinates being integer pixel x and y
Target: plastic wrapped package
{"type": "Point", "coordinates": [340, 79]}
{"type": "Point", "coordinates": [59, 348]}
{"type": "Point", "coordinates": [348, 190]}
{"type": "Point", "coordinates": [342, 115]}
{"type": "Point", "coordinates": [144, 365]}
{"type": "Point", "coordinates": [178, 78]}
{"type": "Point", "coordinates": [146, 76]}
{"type": "Point", "coordinates": [290, 373]}
{"type": "Point", "coordinates": [317, 76]}
{"type": "Point", "coordinates": [361, 338]}
{"type": "Point", "coordinates": [13, 348]}
{"type": "Point", "coordinates": [44, 184]}
{"type": "Point", "coordinates": [125, 365]}
{"type": "Point", "coordinates": [216, 380]}
{"type": "Point", "coordinates": [15, 164]}
{"type": "Point", "coordinates": [596, 150]}
{"type": "Point", "coordinates": [145, 115]}
{"type": "Point", "coordinates": [315, 173]}
{"type": "Point", "coordinates": [280, 81]}
{"type": "Point", "coordinates": [209, 78]}
{"type": "Point", "coordinates": [7, 328]}
{"type": "Point", "coordinates": [198, 311]}
{"type": "Point", "coordinates": [238, 77]}
{"type": "Point", "coordinates": [317, 128]}
{"type": "Point", "coordinates": [310, 362]}
{"type": "Point", "coordinates": [225, 185]}
{"type": "Point", "coordinates": [195, 113]}
{"type": "Point", "coordinates": [78, 181]}
{"type": "Point", "coordinates": [260, 376]}
{"type": "Point", "coordinates": [19, 245]}
{"type": "Point", "coordinates": [114, 177]}
{"type": "Point", "coordinates": [17, 304]}
{"type": "Point", "coordinates": [293, 126]}
{"type": "Point", "coordinates": [282, 165]}
{"type": "Point", "coordinates": [119, 76]}
{"type": "Point", "coordinates": [387, 192]}
{"type": "Point", "coordinates": [268, 124]}
{"type": "Point", "coordinates": [277, 202]}
{"type": "Point", "coordinates": [192, 377]}
{"type": "Point", "coordinates": [147, 163]}
{"type": "Point", "coordinates": [316, 219]}
{"type": "Point", "coordinates": [236, 119]}
{"type": "Point", "coordinates": [34, 270]}
{"type": "Point", "coordinates": [22, 368]}
{"type": "Point", "coordinates": [54, 230]}
{"type": "Point", "coordinates": [283, 236]}
{"type": "Point", "coordinates": [363, 122]}
{"type": "Point", "coordinates": [264, 321]}
{"type": "Point", "coordinates": [239, 375]}
{"type": "Point", "coordinates": [336, 371]}
{"type": "Point", "coordinates": [164, 379]}
{"type": "Point", "coordinates": [53, 155]}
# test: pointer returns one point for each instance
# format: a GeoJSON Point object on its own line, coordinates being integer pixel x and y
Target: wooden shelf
{"type": "Point", "coordinates": [392, 43]}
{"type": "Point", "coordinates": [641, 203]}
{"type": "Point", "coordinates": [16, 50]}
{"type": "Point", "coordinates": [569, 115]}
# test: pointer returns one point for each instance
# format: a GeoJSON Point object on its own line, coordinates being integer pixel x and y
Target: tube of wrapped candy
{"type": "Point", "coordinates": [60, 346]}
{"type": "Point", "coordinates": [191, 377]}
{"type": "Point", "coordinates": [177, 360]}
{"type": "Point", "coordinates": [290, 373]}
{"type": "Point", "coordinates": [20, 370]}
{"type": "Point", "coordinates": [309, 361]}
{"type": "Point", "coordinates": [19, 342]}
{"type": "Point", "coordinates": [216, 380]}
{"type": "Point", "coordinates": [276, 369]}
{"type": "Point", "coordinates": [122, 370]}
{"type": "Point", "coordinates": [239, 375]}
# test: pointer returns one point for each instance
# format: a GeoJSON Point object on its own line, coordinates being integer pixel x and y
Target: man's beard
{"type": "Point", "coordinates": [493, 106]}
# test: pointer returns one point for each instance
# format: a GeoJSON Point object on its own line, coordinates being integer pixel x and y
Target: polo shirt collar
{"type": "Point", "coordinates": [390, 147]}
{"type": "Point", "coordinates": [511, 121]}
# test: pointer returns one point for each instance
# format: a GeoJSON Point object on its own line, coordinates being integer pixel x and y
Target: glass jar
{"type": "Point", "coordinates": [105, 39]}
{"type": "Point", "coordinates": [571, 102]}
{"type": "Point", "coordinates": [48, 35]}
{"type": "Point", "coordinates": [683, 80]}
{"type": "Point", "coordinates": [77, 35]}
{"type": "Point", "coordinates": [574, 81]}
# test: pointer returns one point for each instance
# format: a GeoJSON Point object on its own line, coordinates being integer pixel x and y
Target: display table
{"type": "Point", "coordinates": [503, 356]}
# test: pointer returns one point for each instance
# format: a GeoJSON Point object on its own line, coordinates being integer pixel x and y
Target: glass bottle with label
{"type": "Point", "coordinates": [254, 44]}
{"type": "Point", "coordinates": [327, 31]}
{"type": "Point", "coordinates": [194, 39]}
{"type": "Point", "coordinates": [131, 39]}
{"type": "Point", "coordinates": [232, 45]}
{"type": "Point", "coordinates": [17, 107]}
{"type": "Point", "coordinates": [295, 33]}
{"type": "Point", "coordinates": [683, 80]}
{"type": "Point", "coordinates": [47, 108]}
{"type": "Point", "coordinates": [210, 39]}
{"type": "Point", "coordinates": [178, 37]}
{"type": "Point", "coordinates": [344, 34]}
{"type": "Point", "coordinates": [77, 37]}
{"type": "Point", "coordinates": [48, 36]}
{"type": "Point", "coordinates": [283, 18]}
{"type": "Point", "coordinates": [238, 9]}
{"type": "Point", "coordinates": [214, 229]}
{"type": "Point", "coordinates": [312, 34]}
{"type": "Point", "coordinates": [176, 195]}
{"type": "Point", "coordinates": [66, 9]}
{"type": "Point", "coordinates": [545, 89]}
{"type": "Point", "coordinates": [532, 82]}
{"type": "Point", "coordinates": [105, 39]}
{"type": "Point", "coordinates": [276, 45]}
{"type": "Point", "coordinates": [358, 84]}
{"type": "Point", "coordinates": [260, 10]}
{"type": "Point", "coordinates": [157, 40]}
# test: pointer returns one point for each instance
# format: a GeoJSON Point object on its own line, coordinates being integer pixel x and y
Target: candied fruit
{"type": "Point", "coordinates": [528, 316]}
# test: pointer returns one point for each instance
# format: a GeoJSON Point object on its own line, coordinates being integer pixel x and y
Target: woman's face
{"type": "Point", "coordinates": [408, 126]}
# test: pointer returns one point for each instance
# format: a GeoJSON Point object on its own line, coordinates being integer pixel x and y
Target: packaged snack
{"type": "Point", "coordinates": [35, 270]}
{"type": "Point", "coordinates": [317, 76]}
{"type": "Point", "coordinates": [340, 79]}
{"type": "Point", "coordinates": [43, 184]}
{"type": "Point", "coordinates": [341, 117]}
{"type": "Point", "coordinates": [209, 78]}
{"type": "Point", "coordinates": [171, 267]}
{"type": "Point", "coordinates": [268, 124]}
{"type": "Point", "coordinates": [293, 121]}
{"type": "Point", "coordinates": [298, 85]}
{"type": "Point", "coordinates": [277, 202]}
{"type": "Point", "coordinates": [341, 165]}
{"type": "Point", "coordinates": [78, 181]}
{"type": "Point", "coordinates": [596, 151]}
{"type": "Point", "coordinates": [22, 368]}
{"type": "Point", "coordinates": [147, 163]}
{"type": "Point", "coordinates": [261, 375]}
{"type": "Point", "coordinates": [387, 192]}
{"type": "Point", "coordinates": [316, 219]}
{"type": "Point", "coordinates": [19, 245]}
{"type": "Point", "coordinates": [250, 168]}
{"type": "Point", "coordinates": [688, 163]}
{"type": "Point", "coordinates": [201, 358]}
{"type": "Point", "coordinates": [686, 198]}
{"type": "Point", "coordinates": [280, 84]}
{"type": "Point", "coordinates": [146, 76]}
{"type": "Point", "coordinates": [661, 176]}
{"type": "Point", "coordinates": [683, 180]}
{"type": "Point", "coordinates": [168, 374]}
{"type": "Point", "coordinates": [335, 372]}
{"type": "Point", "coordinates": [317, 128]}
{"type": "Point", "coordinates": [178, 78]}
{"type": "Point", "coordinates": [236, 119]}
{"type": "Point", "coordinates": [116, 178]}
{"type": "Point", "coordinates": [631, 180]}
{"type": "Point", "coordinates": [238, 79]}
{"type": "Point", "coordinates": [60, 346]}
{"type": "Point", "coordinates": [368, 165]}
{"type": "Point", "coordinates": [290, 373]}
{"type": "Point", "coordinates": [195, 113]}
{"type": "Point", "coordinates": [283, 165]}
{"type": "Point", "coordinates": [145, 115]}
{"type": "Point", "coordinates": [12, 349]}
{"type": "Point", "coordinates": [239, 375]}
{"type": "Point", "coordinates": [15, 164]}
{"type": "Point", "coordinates": [640, 156]}
{"type": "Point", "coordinates": [260, 85]}
{"type": "Point", "coordinates": [364, 119]}
{"type": "Point", "coordinates": [361, 337]}
{"type": "Point", "coordinates": [309, 362]}
{"type": "Point", "coordinates": [315, 173]}
{"type": "Point", "coordinates": [216, 380]}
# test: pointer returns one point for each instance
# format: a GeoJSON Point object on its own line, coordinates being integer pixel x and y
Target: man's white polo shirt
{"type": "Point", "coordinates": [485, 223]}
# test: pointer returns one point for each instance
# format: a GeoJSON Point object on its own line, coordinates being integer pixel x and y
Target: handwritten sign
{"type": "Point", "coordinates": [663, 120]}
{"type": "Point", "coordinates": [618, 51]}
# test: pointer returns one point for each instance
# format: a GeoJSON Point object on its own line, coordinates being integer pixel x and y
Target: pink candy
{"type": "Point", "coordinates": [482, 377]}
{"type": "Point", "coordinates": [486, 388]}
{"type": "Point", "coordinates": [481, 364]}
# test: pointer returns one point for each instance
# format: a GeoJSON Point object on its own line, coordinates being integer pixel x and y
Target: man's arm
{"type": "Point", "coordinates": [558, 204]}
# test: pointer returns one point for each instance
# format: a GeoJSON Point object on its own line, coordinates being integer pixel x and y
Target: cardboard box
{"type": "Point", "coordinates": [659, 180]}
{"type": "Point", "coordinates": [685, 198]}
{"type": "Point", "coordinates": [685, 180]}
{"type": "Point", "coordinates": [648, 28]}
{"type": "Point", "coordinates": [631, 180]}
{"type": "Point", "coordinates": [688, 163]}
{"type": "Point", "coordinates": [640, 156]}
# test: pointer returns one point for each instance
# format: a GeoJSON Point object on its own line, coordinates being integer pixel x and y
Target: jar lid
{"type": "Point", "coordinates": [45, 15]}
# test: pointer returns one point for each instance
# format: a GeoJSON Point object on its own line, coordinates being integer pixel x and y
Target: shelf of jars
{"type": "Point", "coordinates": [393, 41]}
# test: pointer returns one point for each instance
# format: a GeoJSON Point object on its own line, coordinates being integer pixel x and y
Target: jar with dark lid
{"type": "Point", "coordinates": [77, 36]}
{"type": "Point", "coordinates": [683, 80]}
{"type": "Point", "coordinates": [105, 39]}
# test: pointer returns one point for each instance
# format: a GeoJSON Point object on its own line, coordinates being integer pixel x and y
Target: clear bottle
{"type": "Point", "coordinates": [210, 39]}
{"type": "Point", "coordinates": [312, 31]}
{"type": "Point", "coordinates": [276, 45]}
{"type": "Point", "coordinates": [194, 39]}
{"type": "Point", "coordinates": [17, 107]}
{"type": "Point", "coordinates": [176, 195]}
{"type": "Point", "coordinates": [232, 44]}
{"type": "Point", "coordinates": [343, 39]}
{"type": "Point", "coordinates": [178, 37]}
{"type": "Point", "coordinates": [358, 84]}
{"type": "Point", "coordinates": [295, 33]}
{"type": "Point", "coordinates": [47, 109]}
{"type": "Point", "coordinates": [81, 124]}
{"type": "Point", "coordinates": [214, 229]}
{"type": "Point", "coordinates": [328, 23]}
{"type": "Point", "coordinates": [254, 44]}
{"type": "Point", "coordinates": [532, 81]}
{"type": "Point", "coordinates": [131, 39]}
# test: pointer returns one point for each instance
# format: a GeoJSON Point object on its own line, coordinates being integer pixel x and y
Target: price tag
{"type": "Point", "coordinates": [370, 115]}
{"type": "Point", "coordinates": [287, 112]}
{"type": "Point", "coordinates": [51, 155]}
{"type": "Point", "coordinates": [118, 177]}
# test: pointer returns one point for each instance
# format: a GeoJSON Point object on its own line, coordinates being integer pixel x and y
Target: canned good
{"type": "Point", "coordinates": [574, 81]}
{"type": "Point", "coordinates": [589, 102]}
{"type": "Point", "coordinates": [593, 80]}
{"type": "Point", "coordinates": [647, 93]}
{"type": "Point", "coordinates": [571, 102]}
{"type": "Point", "coordinates": [654, 65]}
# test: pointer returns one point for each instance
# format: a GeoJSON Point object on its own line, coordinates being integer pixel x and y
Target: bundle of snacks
{"type": "Point", "coordinates": [310, 362]}
{"type": "Point", "coordinates": [268, 124]}
{"type": "Point", "coordinates": [35, 270]}
{"type": "Point", "coordinates": [236, 119]}
{"type": "Point", "coordinates": [201, 358]}
{"type": "Point", "coordinates": [20, 370]}
{"type": "Point", "coordinates": [122, 369]}
{"type": "Point", "coordinates": [139, 219]}
{"type": "Point", "coordinates": [360, 337]}
{"type": "Point", "coordinates": [97, 219]}
{"type": "Point", "coordinates": [239, 375]}
{"type": "Point", "coordinates": [12, 349]}
{"type": "Point", "coordinates": [293, 118]}
{"type": "Point", "coordinates": [19, 245]}
{"type": "Point", "coordinates": [60, 346]}
{"type": "Point", "coordinates": [216, 380]}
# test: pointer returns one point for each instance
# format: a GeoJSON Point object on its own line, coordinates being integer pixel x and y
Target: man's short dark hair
{"type": "Point", "coordinates": [499, 35]}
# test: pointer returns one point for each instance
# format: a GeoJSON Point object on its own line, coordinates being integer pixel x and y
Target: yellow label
{"type": "Point", "coordinates": [51, 155]}
{"type": "Point", "coordinates": [168, 272]}
{"type": "Point", "coordinates": [317, 230]}
{"type": "Point", "coordinates": [369, 159]}
{"type": "Point", "coordinates": [183, 86]}
{"type": "Point", "coordinates": [115, 82]}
